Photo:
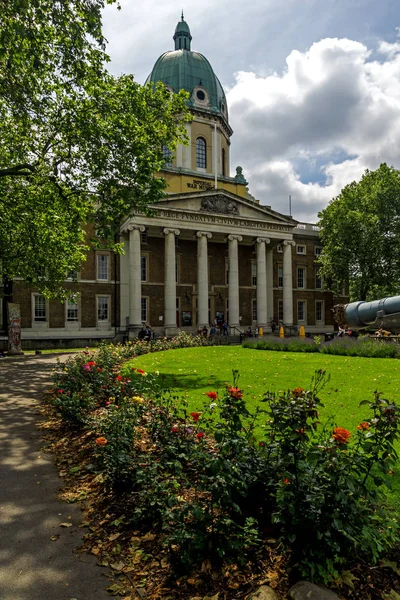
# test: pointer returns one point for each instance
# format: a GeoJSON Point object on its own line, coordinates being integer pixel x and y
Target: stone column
{"type": "Point", "coordinates": [270, 284]}
{"type": "Point", "coordinates": [135, 280]}
{"type": "Point", "coordinates": [202, 278]}
{"type": "Point", "coordinates": [262, 313]}
{"type": "Point", "coordinates": [170, 282]}
{"type": "Point", "coordinates": [287, 282]}
{"type": "Point", "coordinates": [233, 291]}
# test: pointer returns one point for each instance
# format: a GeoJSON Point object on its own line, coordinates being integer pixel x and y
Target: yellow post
{"type": "Point", "coordinates": [281, 332]}
{"type": "Point", "coordinates": [302, 332]}
{"type": "Point", "coordinates": [260, 332]}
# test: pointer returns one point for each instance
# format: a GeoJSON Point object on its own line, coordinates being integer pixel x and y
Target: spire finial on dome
{"type": "Point", "coordinates": [182, 35]}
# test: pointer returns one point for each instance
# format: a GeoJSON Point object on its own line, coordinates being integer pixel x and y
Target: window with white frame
{"type": "Point", "coordinates": [317, 250]}
{"type": "Point", "coordinates": [319, 311]}
{"type": "Point", "coordinates": [103, 308]}
{"type": "Point", "coordinates": [301, 311]}
{"type": "Point", "coordinates": [300, 250]}
{"type": "Point", "coordinates": [280, 310]}
{"type": "Point", "coordinates": [144, 237]}
{"type": "Point", "coordinates": [301, 277]}
{"type": "Point", "coordinates": [72, 310]}
{"type": "Point", "coordinates": [143, 268]}
{"type": "Point", "coordinates": [39, 308]}
{"type": "Point", "coordinates": [144, 303]}
{"type": "Point", "coordinates": [318, 280]}
{"type": "Point", "coordinates": [254, 309]}
{"type": "Point", "coordinates": [280, 277]}
{"type": "Point", "coordinates": [103, 264]}
{"type": "Point", "coordinates": [253, 273]}
{"type": "Point", "coordinates": [279, 248]}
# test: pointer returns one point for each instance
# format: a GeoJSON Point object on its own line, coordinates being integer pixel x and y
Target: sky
{"type": "Point", "coordinates": [313, 86]}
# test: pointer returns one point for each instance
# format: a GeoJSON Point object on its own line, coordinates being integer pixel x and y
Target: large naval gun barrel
{"type": "Point", "coordinates": [381, 313]}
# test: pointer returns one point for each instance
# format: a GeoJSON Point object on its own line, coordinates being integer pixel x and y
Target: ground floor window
{"type": "Point", "coordinates": [254, 309]}
{"type": "Point", "coordinates": [280, 310]}
{"type": "Point", "coordinates": [301, 311]}
{"type": "Point", "coordinates": [103, 308]}
{"type": "Point", "coordinates": [72, 310]}
{"type": "Point", "coordinates": [144, 310]}
{"type": "Point", "coordinates": [39, 308]}
{"type": "Point", "coordinates": [319, 310]}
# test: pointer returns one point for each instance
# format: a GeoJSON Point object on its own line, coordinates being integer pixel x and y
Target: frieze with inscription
{"type": "Point", "coordinates": [199, 184]}
{"type": "Point", "coordinates": [220, 220]}
{"type": "Point", "coordinates": [219, 204]}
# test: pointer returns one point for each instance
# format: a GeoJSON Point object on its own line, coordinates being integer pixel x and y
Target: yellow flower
{"type": "Point", "coordinates": [138, 399]}
{"type": "Point", "coordinates": [111, 399]}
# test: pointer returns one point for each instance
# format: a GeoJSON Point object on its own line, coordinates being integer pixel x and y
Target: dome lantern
{"type": "Point", "coordinates": [182, 37]}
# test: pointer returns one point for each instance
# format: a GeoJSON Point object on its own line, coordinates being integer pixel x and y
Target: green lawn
{"type": "Point", "coordinates": [194, 371]}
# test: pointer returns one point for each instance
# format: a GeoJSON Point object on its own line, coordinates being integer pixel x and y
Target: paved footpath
{"type": "Point", "coordinates": [32, 566]}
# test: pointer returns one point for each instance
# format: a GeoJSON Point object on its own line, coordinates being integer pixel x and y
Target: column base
{"type": "Point", "coordinates": [171, 330]}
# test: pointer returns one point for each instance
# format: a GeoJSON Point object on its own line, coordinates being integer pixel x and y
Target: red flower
{"type": "Point", "coordinates": [140, 371]}
{"type": "Point", "coordinates": [286, 481]}
{"type": "Point", "coordinates": [235, 392]}
{"type": "Point", "coordinates": [212, 395]}
{"type": "Point", "coordinates": [195, 416]}
{"type": "Point", "coordinates": [133, 368]}
{"type": "Point", "coordinates": [364, 426]}
{"type": "Point", "coordinates": [200, 435]}
{"type": "Point", "coordinates": [297, 392]}
{"type": "Point", "coordinates": [101, 441]}
{"type": "Point", "coordinates": [261, 444]}
{"type": "Point", "coordinates": [91, 363]}
{"type": "Point", "coordinates": [341, 435]}
{"type": "Point", "coordinates": [174, 428]}
{"type": "Point", "coordinates": [60, 392]}
{"type": "Point", "coordinates": [119, 377]}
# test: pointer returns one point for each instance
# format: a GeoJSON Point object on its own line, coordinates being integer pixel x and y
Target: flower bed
{"type": "Point", "coordinates": [211, 490]}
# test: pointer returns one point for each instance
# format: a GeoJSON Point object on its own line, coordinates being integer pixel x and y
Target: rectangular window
{"type": "Point", "coordinates": [143, 268]}
{"type": "Point", "coordinates": [144, 237]}
{"type": "Point", "coordinates": [72, 310]}
{"type": "Point", "coordinates": [319, 310]}
{"type": "Point", "coordinates": [318, 281]}
{"type": "Point", "coordinates": [254, 309]}
{"type": "Point", "coordinates": [280, 310]}
{"type": "Point", "coordinates": [301, 250]}
{"type": "Point", "coordinates": [301, 277]}
{"type": "Point", "coordinates": [102, 267]}
{"type": "Point", "coordinates": [301, 311]}
{"type": "Point", "coordinates": [39, 308]}
{"type": "Point", "coordinates": [103, 308]}
{"type": "Point", "coordinates": [317, 250]}
{"type": "Point", "coordinates": [280, 277]}
{"type": "Point", "coordinates": [253, 273]}
{"type": "Point", "coordinates": [143, 310]}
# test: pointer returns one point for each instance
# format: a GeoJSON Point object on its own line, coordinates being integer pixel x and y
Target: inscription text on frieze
{"type": "Point", "coordinates": [198, 184]}
{"type": "Point", "coordinates": [220, 220]}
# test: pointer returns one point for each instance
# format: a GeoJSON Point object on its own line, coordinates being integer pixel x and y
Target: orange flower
{"type": "Point", "coordinates": [363, 426]}
{"type": "Point", "coordinates": [212, 395]}
{"type": "Point", "coordinates": [140, 371]}
{"type": "Point", "coordinates": [341, 435]}
{"type": "Point", "coordinates": [235, 392]}
{"type": "Point", "coordinates": [297, 391]}
{"type": "Point", "coordinates": [286, 481]}
{"type": "Point", "coordinates": [101, 441]}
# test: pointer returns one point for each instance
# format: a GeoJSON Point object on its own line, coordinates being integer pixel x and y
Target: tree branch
{"type": "Point", "coordinates": [18, 171]}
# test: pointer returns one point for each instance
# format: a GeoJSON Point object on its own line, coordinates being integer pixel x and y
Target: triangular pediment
{"type": "Point", "coordinates": [222, 202]}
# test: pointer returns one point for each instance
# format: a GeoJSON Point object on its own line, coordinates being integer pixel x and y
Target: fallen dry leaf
{"type": "Point", "coordinates": [65, 524]}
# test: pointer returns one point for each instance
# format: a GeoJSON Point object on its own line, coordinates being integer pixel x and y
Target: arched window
{"type": "Point", "coordinates": [167, 155]}
{"type": "Point", "coordinates": [201, 153]}
{"type": "Point", "coordinates": [223, 162]}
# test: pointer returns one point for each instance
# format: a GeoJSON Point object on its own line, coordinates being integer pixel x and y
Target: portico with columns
{"type": "Point", "coordinates": [183, 270]}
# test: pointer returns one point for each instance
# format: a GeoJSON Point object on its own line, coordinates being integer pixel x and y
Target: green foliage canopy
{"type": "Point", "coordinates": [78, 146]}
{"type": "Point", "coordinates": [360, 231]}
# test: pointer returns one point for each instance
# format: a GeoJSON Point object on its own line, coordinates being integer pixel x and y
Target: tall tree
{"type": "Point", "coordinates": [78, 146]}
{"type": "Point", "coordinates": [360, 231]}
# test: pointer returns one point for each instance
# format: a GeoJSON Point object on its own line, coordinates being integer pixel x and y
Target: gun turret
{"type": "Point", "coordinates": [358, 315]}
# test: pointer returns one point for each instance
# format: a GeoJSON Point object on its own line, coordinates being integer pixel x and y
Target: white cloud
{"type": "Point", "coordinates": [331, 100]}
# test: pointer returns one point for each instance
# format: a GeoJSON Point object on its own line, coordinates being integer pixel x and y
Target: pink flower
{"type": "Point", "coordinates": [59, 392]}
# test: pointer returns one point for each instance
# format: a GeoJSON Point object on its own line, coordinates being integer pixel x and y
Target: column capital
{"type": "Point", "coordinates": [233, 237]}
{"type": "Point", "coordinates": [132, 227]}
{"type": "Point", "coordinates": [289, 243]}
{"type": "Point", "coordinates": [167, 230]}
{"type": "Point", "coordinates": [206, 234]}
{"type": "Point", "coordinates": [263, 240]}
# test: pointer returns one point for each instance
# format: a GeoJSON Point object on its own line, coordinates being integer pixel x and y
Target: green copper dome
{"type": "Point", "coordinates": [184, 69]}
